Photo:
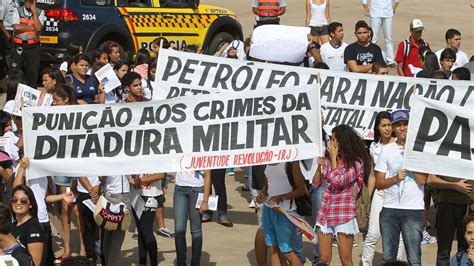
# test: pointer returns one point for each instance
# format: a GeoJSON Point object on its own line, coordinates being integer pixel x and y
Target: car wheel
{"type": "Point", "coordinates": [217, 41]}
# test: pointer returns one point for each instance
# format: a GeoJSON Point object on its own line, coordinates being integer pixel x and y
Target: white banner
{"type": "Point", "coordinates": [187, 133]}
{"type": "Point", "coordinates": [346, 98]}
{"type": "Point", "coordinates": [441, 138]}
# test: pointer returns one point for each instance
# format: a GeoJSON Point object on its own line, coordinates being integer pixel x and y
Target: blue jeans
{"type": "Point", "coordinates": [386, 25]}
{"type": "Point", "coordinates": [410, 223]}
{"type": "Point", "coordinates": [316, 194]}
{"type": "Point", "coordinates": [184, 203]}
{"type": "Point", "coordinates": [298, 246]}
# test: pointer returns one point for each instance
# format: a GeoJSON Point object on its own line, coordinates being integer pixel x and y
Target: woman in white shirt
{"type": "Point", "coordinates": [149, 188]}
{"type": "Point", "coordinates": [318, 19]}
{"type": "Point", "coordinates": [188, 186]}
{"type": "Point", "coordinates": [383, 135]}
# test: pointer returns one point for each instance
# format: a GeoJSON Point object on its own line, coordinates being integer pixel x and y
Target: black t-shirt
{"type": "Point", "coordinates": [21, 255]}
{"type": "Point", "coordinates": [363, 55]}
{"type": "Point", "coordinates": [28, 232]}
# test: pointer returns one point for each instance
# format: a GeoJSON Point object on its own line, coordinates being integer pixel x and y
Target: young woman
{"type": "Point", "coordinates": [149, 188]}
{"type": "Point", "coordinates": [318, 19]}
{"type": "Point", "coordinates": [26, 227]}
{"type": "Point", "coordinates": [383, 135]}
{"type": "Point", "coordinates": [113, 50]}
{"type": "Point", "coordinates": [32, 232]}
{"type": "Point", "coordinates": [141, 63]}
{"type": "Point", "coordinates": [86, 87]}
{"type": "Point", "coordinates": [51, 76]}
{"type": "Point", "coordinates": [343, 172]}
{"type": "Point", "coordinates": [64, 95]}
{"type": "Point", "coordinates": [188, 185]}
{"type": "Point", "coordinates": [118, 94]}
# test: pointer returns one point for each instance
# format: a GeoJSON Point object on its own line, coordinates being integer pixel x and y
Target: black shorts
{"type": "Point", "coordinates": [319, 30]}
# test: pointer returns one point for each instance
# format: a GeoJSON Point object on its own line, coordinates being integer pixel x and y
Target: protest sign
{"type": "Point", "coordinates": [29, 97]}
{"type": "Point", "coordinates": [107, 75]}
{"type": "Point", "coordinates": [346, 98]}
{"type": "Point", "coordinates": [186, 133]}
{"type": "Point", "coordinates": [440, 138]}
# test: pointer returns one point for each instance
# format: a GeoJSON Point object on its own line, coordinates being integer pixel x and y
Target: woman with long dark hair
{"type": "Point", "coordinates": [383, 134]}
{"type": "Point", "coordinates": [26, 227]}
{"type": "Point", "coordinates": [343, 171]}
{"type": "Point", "coordinates": [51, 77]}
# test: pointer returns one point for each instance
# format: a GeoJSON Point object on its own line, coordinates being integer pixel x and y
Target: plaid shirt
{"type": "Point", "coordinates": [338, 201]}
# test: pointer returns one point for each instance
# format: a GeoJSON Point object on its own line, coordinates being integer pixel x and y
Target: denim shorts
{"type": "Point", "coordinates": [278, 230]}
{"type": "Point", "coordinates": [349, 228]}
{"type": "Point", "coordinates": [319, 30]}
{"type": "Point", "coordinates": [63, 181]}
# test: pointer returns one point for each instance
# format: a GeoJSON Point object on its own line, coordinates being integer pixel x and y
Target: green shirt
{"type": "Point", "coordinates": [453, 196]}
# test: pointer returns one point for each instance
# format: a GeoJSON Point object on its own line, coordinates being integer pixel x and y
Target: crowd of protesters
{"type": "Point", "coordinates": [400, 199]}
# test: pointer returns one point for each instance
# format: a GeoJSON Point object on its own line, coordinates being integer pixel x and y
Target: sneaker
{"type": "Point", "coordinates": [392, 65]}
{"type": "Point", "coordinates": [165, 232]}
{"type": "Point", "coordinates": [428, 239]}
{"type": "Point", "coordinates": [334, 242]}
{"type": "Point", "coordinates": [354, 243]}
{"type": "Point", "coordinates": [135, 236]}
{"type": "Point", "coordinates": [252, 204]}
{"type": "Point", "coordinates": [231, 173]}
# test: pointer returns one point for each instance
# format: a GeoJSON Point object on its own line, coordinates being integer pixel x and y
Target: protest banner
{"type": "Point", "coordinates": [346, 98]}
{"type": "Point", "coordinates": [28, 97]}
{"type": "Point", "coordinates": [186, 133]}
{"type": "Point", "coordinates": [440, 138]}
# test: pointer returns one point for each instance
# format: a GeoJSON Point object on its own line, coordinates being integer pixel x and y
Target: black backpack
{"type": "Point", "coordinates": [303, 203]}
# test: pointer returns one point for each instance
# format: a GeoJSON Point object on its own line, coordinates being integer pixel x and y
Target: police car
{"type": "Point", "coordinates": [133, 24]}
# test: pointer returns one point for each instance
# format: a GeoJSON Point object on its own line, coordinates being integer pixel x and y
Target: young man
{"type": "Point", "coordinates": [403, 204]}
{"type": "Point", "coordinates": [407, 52]}
{"type": "Point", "coordinates": [279, 232]}
{"type": "Point", "coordinates": [446, 61]}
{"type": "Point", "coordinates": [268, 11]}
{"type": "Point", "coordinates": [9, 245]}
{"type": "Point", "coordinates": [454, 197]}
{"type": "Point", "coordinates": [360, 55]}
{"type": "Point", "coordinates": [26, 40]}
{"type": "Point", "coordinates": [453, 41]}
{"type": "Point", "coordinates": [381, 13]}
{"type": "Point", "coordinates": [379, 68]}
{"type": "Point", "coordinates": [332, 52]}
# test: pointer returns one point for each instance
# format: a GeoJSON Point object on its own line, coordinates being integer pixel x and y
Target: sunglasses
{"type": "Point", "coordinates": [22, 200]}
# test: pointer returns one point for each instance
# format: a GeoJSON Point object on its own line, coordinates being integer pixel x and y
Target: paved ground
{"type": "Point", "coordinates": [234, 246]}
{"type": "Point", "coordinates": [229, 246]}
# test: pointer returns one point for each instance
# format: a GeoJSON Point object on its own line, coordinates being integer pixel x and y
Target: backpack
{"type": "Point", "coordinates": [363, 208]}
{"type": "Point", "coordinates": [407, 48]}
{"type": "Point", "coordinates": [303, 203]}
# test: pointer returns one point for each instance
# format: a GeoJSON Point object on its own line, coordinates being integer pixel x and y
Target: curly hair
{"type": "Point", "coordinates": [351, 147]}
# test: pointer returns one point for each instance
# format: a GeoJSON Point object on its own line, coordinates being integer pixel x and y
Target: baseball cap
{"type": "Point", "coordinates": [399, 115]}
{"type": "Point", "coordinates": [416, 25]}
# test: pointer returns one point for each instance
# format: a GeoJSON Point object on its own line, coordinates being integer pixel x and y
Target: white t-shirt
{"type": "Point", "coordinates": [461, 59]}
{"type": "Point", "coordinates": [278, 184]}
{"type": "Point", "coordinates": [407, 194]}
{"type": "Point", "coordinates": [116, 184]}
{"type": "Point", "coordinates": [334, 57]}
{"type": "Point", "coordinates": [93, 180]}
{"type": "Point", "coordinates": [152, 189]}
{"type": "Point", "coordinates": [39, 186]}
{"type": "Point", "coordinates": [190, 178]}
